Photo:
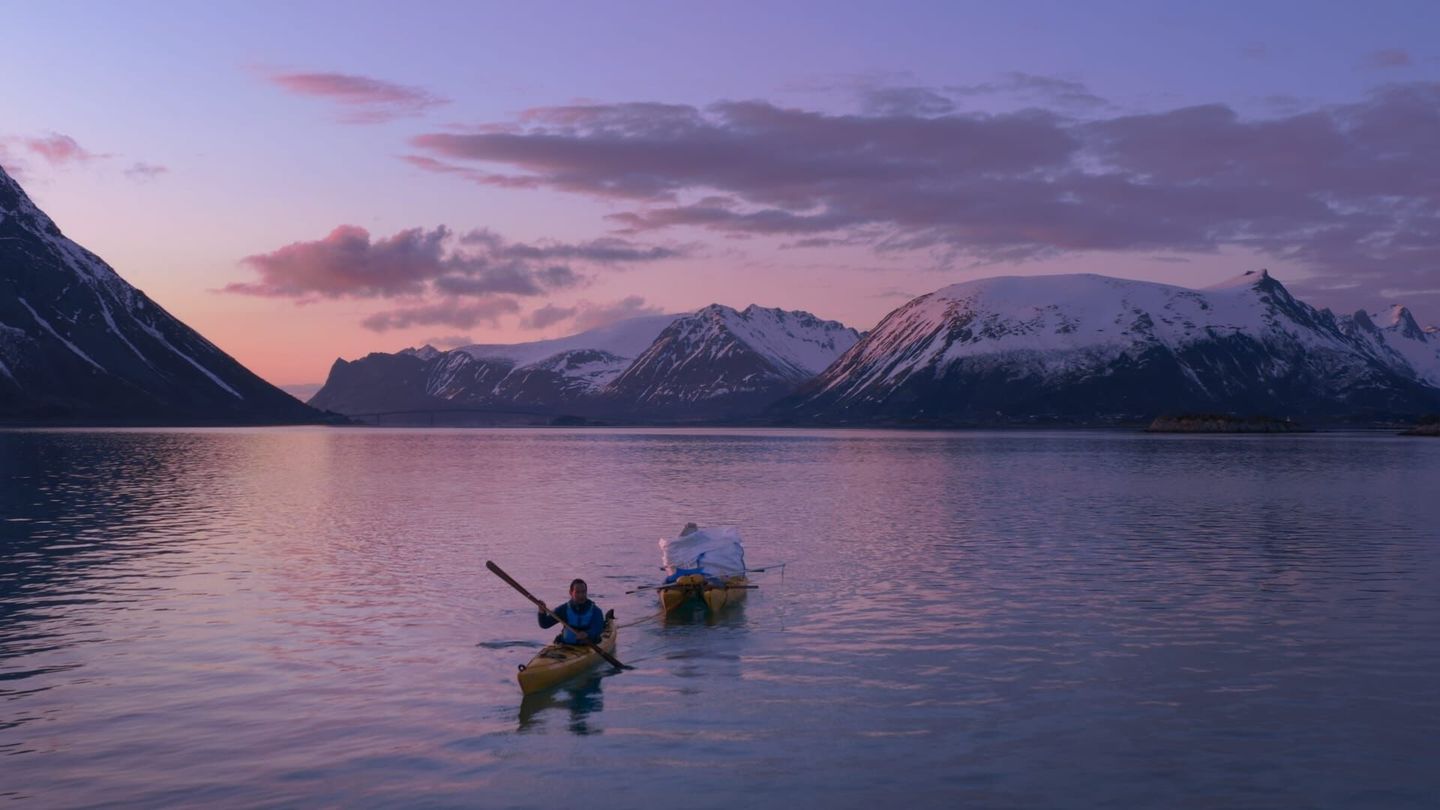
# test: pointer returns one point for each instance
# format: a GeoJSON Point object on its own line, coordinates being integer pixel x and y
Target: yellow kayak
{"type": "Point", "coordinates": [561, 662]}
{"type": "Point", "coordinates": [694, 586]}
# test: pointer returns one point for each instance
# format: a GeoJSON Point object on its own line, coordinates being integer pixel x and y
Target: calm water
{"type": "Point", "coordinates": [302, 617]}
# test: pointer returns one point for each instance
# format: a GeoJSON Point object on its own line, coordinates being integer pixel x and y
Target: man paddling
{"type": "Point", "coordinates": [580, 613]}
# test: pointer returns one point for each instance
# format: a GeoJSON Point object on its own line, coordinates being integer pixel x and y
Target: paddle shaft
{"type": "Point", "coordinates": [497, 571]}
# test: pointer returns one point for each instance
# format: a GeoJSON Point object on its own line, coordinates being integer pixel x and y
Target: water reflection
{"type": "Point", "coordinates": [291, 618]}
{"type": "Point", "coordinates": [95, 525]}
{"type": "Point", "coordinates": [579, 698]}
{"type": "Point", "coordinates": [694, 612]}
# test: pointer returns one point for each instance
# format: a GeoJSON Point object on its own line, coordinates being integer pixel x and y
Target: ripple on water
{"type": "Point", "coordinates": [303, 617]}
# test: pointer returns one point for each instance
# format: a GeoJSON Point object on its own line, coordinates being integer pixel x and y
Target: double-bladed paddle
{"type": "Point", "coordinates": [497, 571]}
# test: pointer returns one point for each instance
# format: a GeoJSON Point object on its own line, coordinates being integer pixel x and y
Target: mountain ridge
{"type": "Point", "coordinates": [1083, 347]}
{"type": "Point", "coordinates": [79, 344]}
{"type": "Point", "coordinates": [622, 371]}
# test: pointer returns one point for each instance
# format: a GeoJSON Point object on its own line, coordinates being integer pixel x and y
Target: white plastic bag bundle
{"type": "Point", "coordinates": [715, 552]}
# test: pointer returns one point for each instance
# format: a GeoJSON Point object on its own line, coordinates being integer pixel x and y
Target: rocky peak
{"type": "Point", "coordinates": [16, 207]}
{"type": "Point", "coordinates": [1361, 320]}
{"type": "Point", "coordinates": [426, 352]}
{"type": "Point", "coordinates": [1400, 319]}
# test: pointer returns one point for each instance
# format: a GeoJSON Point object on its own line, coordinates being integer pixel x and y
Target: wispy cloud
{"type": "Point", "coordinates": [450, 312]}
{"type": "Point", "coordinates": [362, 100]}
{"type": "Point", "coordinates": [548, 315]}
{"type": "Point", "coordinates": [1388, 58]}
{"type": "Point", "coordinates": [1049, 90]}
{"type": "Point", "coordinates": [14, 166]}
{"type": "Point", "coordinates": [145, 171]}
{"type": "Point", "coordinates": [59, 150]}
{"type": "Point", "coordinates": [891, 93]}
{"type": "Point", "coordinates": [588, 314]}
{"type": "Point", "coordinates": [593, 316]}
{"type": "Point", "coordinates": [447, 341]}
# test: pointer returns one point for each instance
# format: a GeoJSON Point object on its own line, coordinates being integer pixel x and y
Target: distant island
{"type": "Point", "coordinates": [1223, 423]}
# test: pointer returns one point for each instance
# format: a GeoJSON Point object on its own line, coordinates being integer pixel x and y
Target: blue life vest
{"type": "Point", "coordinates": [581, 621]}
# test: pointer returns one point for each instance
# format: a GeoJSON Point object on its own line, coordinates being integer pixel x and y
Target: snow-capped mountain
{"type": "Point", "coordinates": [543, 376]}
{"type": "Point", "coordinates": [722, 362]}
{"type": "Point", "coordinates": [1396, 336]}
{"type": "Point", "coordinates": [713, 363]}
{"type": "Point", "coordinates": [78, 343]}
{"type": "Point", "coordinates": [1088, 347]}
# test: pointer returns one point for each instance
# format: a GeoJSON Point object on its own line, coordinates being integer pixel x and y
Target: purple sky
{"type": "Point", "coordinates": [359, 178]}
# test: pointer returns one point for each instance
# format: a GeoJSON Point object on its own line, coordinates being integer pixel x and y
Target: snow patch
{"type": "Point", "coordinates": [155, 333]}
{"type": "Point", "coordinates": [110, 322]}
{"type": "Point", "coordinates": [48, 328]}
{"type": "Point", "coordinates": [791, 340]}
{"type": "Point", "coordinates": [1057, 327]}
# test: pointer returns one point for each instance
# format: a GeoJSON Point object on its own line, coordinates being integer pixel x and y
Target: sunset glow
{"type": "Point", "coordinates": [301, 184]}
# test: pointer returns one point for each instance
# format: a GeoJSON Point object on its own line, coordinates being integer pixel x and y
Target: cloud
{"type": "Point", "coordinates": [12, 165]}
{"type": "Point", "coordinates": [593, 316]}
{"type": "Point", "coordinates": [588, 314]}
{"type": "Point", "coordinates": [346, 263]}
{"type": "Point", "coordinates": [1347, 189]}
{"type": "Point", "coordinates": [605, 250]}
{"type": "Point", "coordinates": [1389, 293]}
{"type": "Point", "coordinates": [1388, 58]}
{"type": "Point", "coordinates": [548, 315]}
{"type": "Point", "coordinates": [1046, 89]}
{"type": "Point", "coordinates": [448, 341]}
{"type": "Point", "coordinates": [145, 171]}
{"type": "Point", "coordinates": [894, 93]}
{"type": "Point", "coordinates": [363, 100]}
{"type": "Point", "coordinates": [782, 157]}
{"type": "Point", "coordinates": [476, 176]}
{"type": "Point", "coordinates": [349, 263]}
{"type": "Point", "coordinates": [57, 149]}
{"type": "Point", "coordinates": [904, 101]}
{"type": "Point", "coordinates": [455, 281]}
{"type": "Point", "coordinates": [451, 312]}
{"type": "Point", "coordinates": [722, 217]}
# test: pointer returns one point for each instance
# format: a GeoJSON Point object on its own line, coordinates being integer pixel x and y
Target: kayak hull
{"type": "Point", "coordinates": [557, 663]}
{"type": "Point", "coordinates": [718, 597]}
{"type": "Point", "coordinates": [694, 587]}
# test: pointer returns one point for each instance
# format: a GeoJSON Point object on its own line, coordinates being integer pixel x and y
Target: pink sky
{"type": "Point", "coordinates": [301, 186]}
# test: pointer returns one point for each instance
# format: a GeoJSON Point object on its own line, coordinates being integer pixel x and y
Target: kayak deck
{"type": "Point", "coordinates": [556, 663]}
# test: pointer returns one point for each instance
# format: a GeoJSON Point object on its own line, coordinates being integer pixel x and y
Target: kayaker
{"type": "Point", "coordinates": [580, 613]}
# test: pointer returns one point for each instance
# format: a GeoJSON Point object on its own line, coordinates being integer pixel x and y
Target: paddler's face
{"type": "Point", "coordinates": [578, 595]}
